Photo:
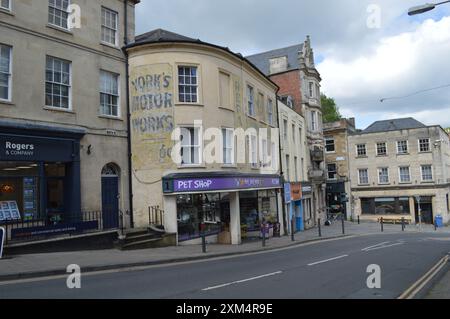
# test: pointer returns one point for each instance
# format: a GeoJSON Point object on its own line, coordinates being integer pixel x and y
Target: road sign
{"type": "Point", "coordinates": [2, 240]}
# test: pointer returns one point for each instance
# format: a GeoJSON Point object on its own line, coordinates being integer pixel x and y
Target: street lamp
{"type": "Point", "coordinates": [424, 8]}
{"type": "Point", "coordinates": [418, 198]}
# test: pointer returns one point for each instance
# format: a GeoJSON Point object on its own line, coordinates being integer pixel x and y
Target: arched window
{"type": "Point", "coordinates": [110, 170]}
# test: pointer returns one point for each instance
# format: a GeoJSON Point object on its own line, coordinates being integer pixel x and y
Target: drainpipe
{"type": "Point", "coordinates": [127, 75]}
{"type": "Point", "coordinates": [283, 202]}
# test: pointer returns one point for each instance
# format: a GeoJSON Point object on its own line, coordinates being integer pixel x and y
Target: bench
{"type": "Point", "coordinates": [394, 220]}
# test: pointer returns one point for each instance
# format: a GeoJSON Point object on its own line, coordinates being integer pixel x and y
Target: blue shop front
{"type": "Point", "coordinates": [39, 173]}
{"type": "Point", "coordinates": [294, 206]}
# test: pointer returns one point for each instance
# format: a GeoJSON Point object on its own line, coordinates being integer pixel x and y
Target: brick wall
{"type": "Point", "coordinates": [290, 84]}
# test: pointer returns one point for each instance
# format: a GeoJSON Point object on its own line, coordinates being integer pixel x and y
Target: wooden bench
{"type": "Point", "coordinates": [394, 220]}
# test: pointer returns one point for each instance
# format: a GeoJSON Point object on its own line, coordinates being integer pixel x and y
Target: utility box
{"type": "Point", "coordinates": [439, 221]}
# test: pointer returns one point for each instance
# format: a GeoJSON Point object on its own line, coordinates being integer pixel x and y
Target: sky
{"type": "Point", "coordinates": [367, 51]}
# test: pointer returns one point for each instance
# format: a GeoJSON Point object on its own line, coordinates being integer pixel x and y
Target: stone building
{"type": "Point", "coordinates": [63, 109]}
{"type": "Point", "coordinates": [186, 93]}
{"type": "Point", "coordinates": [399, 168]}
{"type": "Point", "coordinates": [337, 163]}
{"type": "Point", "coordinates": [293, 70]}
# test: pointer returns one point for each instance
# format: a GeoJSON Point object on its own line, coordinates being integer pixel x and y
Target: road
{"type": "Point", "coordinates": [332, 269]}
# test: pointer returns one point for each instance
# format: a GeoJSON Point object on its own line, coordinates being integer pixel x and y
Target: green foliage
{"type": "Point", "coordinates": [330, 110]}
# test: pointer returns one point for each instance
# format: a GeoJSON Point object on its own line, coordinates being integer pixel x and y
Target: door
{"type": "Point", "coordinates": [110, 202]}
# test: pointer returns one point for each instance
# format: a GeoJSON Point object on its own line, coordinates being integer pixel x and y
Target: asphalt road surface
{"type": "Point", "coordinates": [332, 269]}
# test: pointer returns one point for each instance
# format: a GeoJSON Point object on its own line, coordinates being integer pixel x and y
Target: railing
{"type": "Point", "coordinates": [61, 224]}
{"type": "Point", "coordinates": [155, 216]}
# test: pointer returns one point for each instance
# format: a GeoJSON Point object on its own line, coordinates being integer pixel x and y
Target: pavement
{"type": "Point", "coordinates": [441, 289]}
{"type": "Point", "coordinates": [38, 265]}
{"type": "Point", "coordinates": [328, 269]}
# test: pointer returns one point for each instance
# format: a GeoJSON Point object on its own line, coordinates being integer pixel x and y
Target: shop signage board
{"type": "Point", "coordinates": [9, 211]}
{"type": "Point", "coordinates": [223, 184]}
{"type": "Point", "coordinates": [287, 193]}
{"type": "Point", "coordinates": [306, 189]}
{"type": "Point", "coordinates": [296, 192]}
{"type": "Point", "coordinates": [2, 240]}
{"type": "Point", "coordinates": [53, 230]}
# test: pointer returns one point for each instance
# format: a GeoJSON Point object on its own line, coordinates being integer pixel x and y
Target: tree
{"type": "Point", "coordinates": [330, 110]}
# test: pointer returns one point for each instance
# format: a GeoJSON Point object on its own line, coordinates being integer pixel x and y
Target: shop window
{"type": "Point", "coordinates": [385, 206]}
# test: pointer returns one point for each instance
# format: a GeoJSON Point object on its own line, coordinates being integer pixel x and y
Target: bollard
{"type": "Point", "coordinates": [403, 224]}
{"type": "Point", "coordinates": [382, 224]}
{"type": "Point", "coordinates": [343, 226]}
{"type": "Point", "coordinates": [359, 220]}
{"type": "Point", "coordinates": [263, 231]}
{"type": "Point", "coordinates": [292, 230]}
{"type": "Point", "coordinates": [435, 226]}
{"type": "Point", "coordinates": [320, 229]}
{"type": "Point", "coordinates": [203, 239]}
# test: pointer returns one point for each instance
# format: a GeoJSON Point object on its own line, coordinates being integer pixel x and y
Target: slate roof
{"type": "Point", "coordinates": [261, 60]}
{"type": "Point", "coordinates": [159, 35]}
{"type": "Point", "coordinates": [393, 125]}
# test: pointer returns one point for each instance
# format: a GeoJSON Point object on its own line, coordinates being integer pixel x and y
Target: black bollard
{"type": "Point", "coordinates": [203, 239]}
{"type": "Point", "coordinates": [292, 230]}
{"type": "Point", "coordinates": [403, 224]}
{"type": "Point", "coordinates": [343, 226]}
{"type": "Point", "coordinates": [320, 228]}
{"type": "Point", "coordinates": [359, 220]}
{"type": "Point", "coordinates": [382, 224]}
{"type": "Point", "coordinates": [263, 231]}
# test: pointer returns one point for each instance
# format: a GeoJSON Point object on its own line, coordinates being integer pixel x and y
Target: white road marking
{"type": "Point", "coordinates": [384, 246]}
{"type": "Point", "coordinates": [381, 244]}
{"type": "Point", "coordinates": [328, 260]}
{"type": "Point", "coordinates": [242, 281]}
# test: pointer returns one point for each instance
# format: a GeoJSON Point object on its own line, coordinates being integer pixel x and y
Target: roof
{"type": "Point", "coordinates": [262, 60]}
{"type": "Point", "coordinates": [393, 125]}
{"type": "Point", "coordinates": [164, 36]}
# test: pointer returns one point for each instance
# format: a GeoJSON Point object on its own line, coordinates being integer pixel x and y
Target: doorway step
{"type": "Point", "coordinates": [145, 238]}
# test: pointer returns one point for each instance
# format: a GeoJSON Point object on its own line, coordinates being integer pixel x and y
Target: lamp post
{"type": "Point", "coordinates": [420, 212]}
{"type": "Point", "coordinates": [424, 8]}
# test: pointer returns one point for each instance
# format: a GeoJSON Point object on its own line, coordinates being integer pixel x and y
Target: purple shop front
{"type": "Point", "coordinates": [224, 184]}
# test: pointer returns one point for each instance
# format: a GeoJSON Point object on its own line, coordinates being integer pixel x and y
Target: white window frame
{"type": "Point", "coordinates": [253, 150]}
{"type": "Point", "coordinates": [385, 146]}
{"type": "Point", "coordinates": [285, 131]}
{"type": "Point", "coordinates": [398, 147]}
{"type": "Point", "coordinates": [288, 167]}
{"type": "Point", "coordinates": [419, 145]}
{"type": "Point", "coordinates": [270, 118]}
{"type": "Point", "coordinates": [327, 139]}
{"type": "Point", "coordinates": [69, 86]}
{"type": "Point", "coordinates": [359, 176]}
{"type": "Point", "coordinates": [8, 8]}
{"type": "Point", "coordinates": [117, 78]}
{"type": "Point", "coordinates": [195, 146]}
{"type": "Point", "coordinates": [9, 74]}
{"type": "Point", "coordinates": [335, 172]}
{"type": "Point", "coordinates": [357, 150]}
{"type": "Point", "coordinates": [187, 85]}
{"type": "Point", "coordinates": [274, 156]}
{"type": "Point", "coordinates": [115, 28]}
{"type": "Point", "coordinates": [228, 146]}
{"type": "Point", "coordinates": [251, 101]}
{"type": "Point", "coordinates": [400, 175]}
{"type": "Point", "coordinates": [379, 176]}
{"type": "Point", "coordinates": [314, 121]}
{"type": "Point", "coordinates": [422, 175]}
{"type": "Point", "coordinates": [311, 89]}
{"type": "Point", "coordinates": [59, 10]}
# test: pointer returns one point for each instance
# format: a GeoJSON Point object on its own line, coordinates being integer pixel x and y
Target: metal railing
{"type": "Point", "coordinates": [155, 216]}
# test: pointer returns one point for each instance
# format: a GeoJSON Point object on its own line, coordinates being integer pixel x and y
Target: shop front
{"type": "Point", "coordinates": [307, 205]}
{"type": "Point", "coordinates": [294, 206]}
{"type": "Point", "coordinates": [39, 175]}
{"type": "Point", "coordinates": [227, 208]}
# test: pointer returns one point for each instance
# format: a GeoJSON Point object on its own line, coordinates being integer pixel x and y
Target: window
{"type": "Point", "coordinates": [314, 123]}
{"type": "Point", "coordinates": [424, 145]}
{"type": "Point", "coordinates": [57, 83]}
{"type": "Point", "coordinates": [385, 206]}
{"type": "Point", "coordinates": [224, 94]}
{"type": "Point", "coordinates": [190, 146]}
{"type": "Point", "coordinates": [361, 150]}
{"type": "Point", "coordinates": [5, 4]}
{"type": "Point", "coordinates": [5, 72]}
{"type": "Point", "coordinates": [296, 168]}
{"type": "Point", "coordinates": [264, 153]}
{"type": "Point", "coordinates": [253, 151]}
{"type": "Point", "coordinates": [311, 89]}
{"type": "Point", "coordinates": [405, 176]}
{"type": "Point", "coordinates": [317, 90]}
{"type": "Point", "coordinates": [109, 94]}
{"type": "Point", "coordinates": [288, 166]}
{"type": "Point", "coordinates": [274, 156]}
{"type": "Point", "coordinates": [329, 145]}
{"type": "Point", "coordinates": [188, 84]}
{"type": "Point", "coordinates": [285, 130]}
{"type": "Point", "coordinates": [383, 175]}
{"type": "Point", "coordinates": [293, 133]}
{"type": "Point", "coordinates": [363, 175]}
{"type": "Point", "coordinates": [270, 111]}
{"type": "Point", "coordinates": [332, 171]}
{"type": "Point", "coordinates": [427, 173]}
{"type": "Point", "coordinates": [109, 26]}
{"type": "Point", "coordinates": [228, 146]}
{"type": "Point", "coordinates": [58, 13]}
{"type": "Point", "coordinates": [381, 149]}
{"type": "Point", "coordinates": [402, 147]}
{"type": "Point", "coordinates": [250, 101]}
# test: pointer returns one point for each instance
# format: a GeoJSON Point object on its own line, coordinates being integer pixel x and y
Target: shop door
{"type": "Point", "coordinates": [110, 202]}
{"type": "Point", "coordinates": [427, 213]}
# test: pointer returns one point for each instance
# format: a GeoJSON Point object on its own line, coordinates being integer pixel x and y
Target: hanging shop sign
{"type": "Point", "coordinates": [221, 184]}
{"type": "Point", "coordinates": [306, 189]}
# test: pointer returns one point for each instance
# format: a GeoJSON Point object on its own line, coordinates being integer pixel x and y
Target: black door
{"type": "Point", "coordinates": [110, 202]}
{"type": "Point", "coordinates": [426, 212]}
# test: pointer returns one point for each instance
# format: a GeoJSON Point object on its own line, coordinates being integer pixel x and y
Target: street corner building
{"type": "Point", "coordinates": [180, 88]}
{"type": "Point", "coordinates": [399, 169]}
{"type": "Point", "coordinates": [63, 125]}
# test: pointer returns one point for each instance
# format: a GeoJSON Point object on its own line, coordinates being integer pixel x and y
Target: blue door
{"type": "Point", "coordinates": [110, 202]}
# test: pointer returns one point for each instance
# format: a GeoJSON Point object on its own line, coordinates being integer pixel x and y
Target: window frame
{"type": "Point", "coordinates": [116, 30]}
{"type": "Point", "coordinates": [222, 94]}
{"type": "Point", "coordinates": [378, 149]}
{"type": "Point", "coordinates": [420, 145]}
{"type": "Point", "coordinates": [9, 8]}
{"type": "Point", "coordinates": [109, 94]}
{"type": "Point", "coordinates": [59, 10]}
{"type": "Point", "coordinates": [335, 172]}
{"type": "Point", "coordinates": [407, 147]}
{"type": "Point", "coordinates": [422, 173]}
{"type": "Point", "coordinates": [191, 146]}
{"type": "Point", "coordinates": [327, 139]}
{"type": "Point", "coordinates": [226, 133]}
{"type": "Point", "coordinates": [69, 86]}
{"type": "Point", "coordinates": [400, 175]}
{"type": "Point", "coordinates": [270, 111]}
{"type": "Point", "coordinates": [359, 176]}
{"type": "Point", "coordinates": [197, 85]}
{"type": "Point", "coordinates": [357, 150]}
{"type": "Point", "coordinates": [253, 150]}
{"type": "Point", "coordinates": [388, 176]}
{"type": "Point", "coordinates": [314, 121]}
{"type": "Point", "coordinates": [250, 94]}
{"type": "Point", "coordinates": [9, 74]}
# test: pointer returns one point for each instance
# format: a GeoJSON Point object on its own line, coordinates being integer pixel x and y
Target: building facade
{"type": "Point", "coordinates": [337, 164]}
{"type": "Point", "coordinates": [293, 70]}
{"type": "Point", "coordinates": [63, 108]}
{"type": "Point", "coordinates": [293, 163]}
{"type": "Point", "coordinates": [185, 94]}
{"type": "Point", "coordinates": [400, 169]}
